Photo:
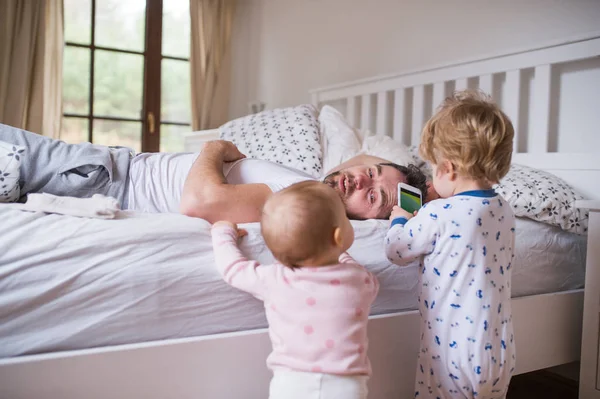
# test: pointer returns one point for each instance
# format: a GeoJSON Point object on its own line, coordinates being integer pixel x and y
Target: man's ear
{"type": "Point", "coordinates": [338, 239]}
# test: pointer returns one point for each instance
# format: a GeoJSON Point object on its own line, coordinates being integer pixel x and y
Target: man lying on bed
{"type": "Point", "coordinates": [217, 184]}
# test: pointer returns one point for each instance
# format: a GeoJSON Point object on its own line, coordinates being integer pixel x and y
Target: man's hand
{"type": "Point", "coordinates": [398, 212]}
{"type": "Point", "coordinates": [226, 150]}
{"type": "Point", "coordinates": [240, 232]}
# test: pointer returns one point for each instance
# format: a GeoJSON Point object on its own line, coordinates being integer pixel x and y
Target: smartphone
{"type": "Point", "coordinates": [409, 198]}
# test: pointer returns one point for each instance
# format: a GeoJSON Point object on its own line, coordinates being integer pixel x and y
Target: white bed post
{"type": "Point", "coordinates": [590, 370]}
{"type": "Point", "coordinates": [399, 104]}
{"type": "Point", "coordinates": [439, 94]}
{"type": "Point", "coordinates": [382, 107]}
{"type": "Point", "coordinates": [351, 110]}
{"type": "Point", "coordinates": [460, 84]}
{"type": "Point", "coordinates": [365, 112]}
{"type": "Point", "coordinates": [540, 110]}
{"type": "Point", "coordinates": [512, 102]}
{"type": "Point", "coordinates": [485, 84]}
{"type": "Point", "coordinates": [418, 117]}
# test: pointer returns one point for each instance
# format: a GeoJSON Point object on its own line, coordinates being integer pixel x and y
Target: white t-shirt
{"type": "Point", "coordinates": [156, 179]}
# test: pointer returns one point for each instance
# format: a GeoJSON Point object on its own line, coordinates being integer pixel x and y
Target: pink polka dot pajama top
{"type": "Point", "coordinates": [317, 315]}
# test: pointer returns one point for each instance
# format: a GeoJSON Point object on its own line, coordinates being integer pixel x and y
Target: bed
{"type": "Point", "coordinates": [162, 284]}
{"type": "Point", "coordinates": [128, 320]}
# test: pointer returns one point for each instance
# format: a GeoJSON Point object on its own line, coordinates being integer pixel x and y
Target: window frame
{"type": "Point", "coordinates": [150, 117]}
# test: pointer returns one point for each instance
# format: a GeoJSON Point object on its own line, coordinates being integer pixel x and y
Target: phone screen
{"type": "Point", "coordinates": [409, 201]}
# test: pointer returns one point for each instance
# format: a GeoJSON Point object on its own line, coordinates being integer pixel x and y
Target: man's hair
{"type": "Point", "coordinates": [413, 175]}
{"type": "Point", "coordinates": [298, 222]}
{"type": "Point", "coordinates": [470, 131]}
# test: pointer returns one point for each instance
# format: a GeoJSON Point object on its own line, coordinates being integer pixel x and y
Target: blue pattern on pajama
{"type": "Point", "coordinates": [465, 244]}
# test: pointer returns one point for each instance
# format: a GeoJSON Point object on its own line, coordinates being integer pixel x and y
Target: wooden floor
{"type": "Point", "coordinates": [542, 384]}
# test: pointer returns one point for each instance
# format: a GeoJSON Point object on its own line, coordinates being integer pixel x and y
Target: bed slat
{"type": "Point", "coordinates": [512, 102]}
{"type": "Point", "coordinates": [461, 84]}
{"type": "Point", "coordinates": [485, 84]}
{"type": "Point", "coordinates": [418, 113]}
{"type": "Point", "coordinates": [351, 110]}
{"type": "Point", "coordinates": [439, 93]}
{"type": "Point", "coordinates": [399, 103]}
{"type": "Point", "coordinates": [365, 112]}
{"type": "Point", "coordinates": [382, 106]}
{"type": "Point", "coordinates": [540, 110]}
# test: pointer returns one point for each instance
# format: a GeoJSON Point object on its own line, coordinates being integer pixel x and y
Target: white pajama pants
{"type": "Point", "coordinates": [287, 384]}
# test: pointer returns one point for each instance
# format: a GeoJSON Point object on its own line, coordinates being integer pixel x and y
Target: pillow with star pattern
{"type": "Point", "coordinates": [287, 136]}
{"type": "Point", "coordinates": [10, 163]}
{"type": "Point", "coordinates": [544, 197]}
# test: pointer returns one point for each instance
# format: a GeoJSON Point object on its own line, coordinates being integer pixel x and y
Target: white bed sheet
{"type": "Point", "coordinates": [71, 283]}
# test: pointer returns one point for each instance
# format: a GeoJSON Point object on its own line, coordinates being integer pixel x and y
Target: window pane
{"type": "Point", "coordinates": [76, 80]}
{"type": "Point", "coordinates": [118, 82]}
{"type": "Point", "coordinates": [74, 130]}
{"type": "Point", "coordinates": [171, 137]}
{"type": "Point", "coordinates": [175, 91]}
{"type": "Point", "coordinates": [78, 17]}
{"type": "Point", "coordinates": [121, 24]}
{"type": "Point", "coordinates": [126, 134]}
{"type": "Point", "coordinates": [176, 28]}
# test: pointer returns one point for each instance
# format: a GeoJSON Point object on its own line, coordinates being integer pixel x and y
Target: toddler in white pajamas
{"type": "Point", "coordinates": [465, 241]}
{"type": "Point", "coordinates": [317, 298]}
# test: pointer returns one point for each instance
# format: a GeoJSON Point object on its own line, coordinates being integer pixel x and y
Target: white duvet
{"type": "Point", "coordinates": [71, 283]}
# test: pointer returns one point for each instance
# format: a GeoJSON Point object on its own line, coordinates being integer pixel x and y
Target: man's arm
{"type": "Point", "coordinates": [207, 195]}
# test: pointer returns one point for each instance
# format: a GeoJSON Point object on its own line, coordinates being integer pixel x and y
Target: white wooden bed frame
{"type": "Point", "coordinates": [547, 327]}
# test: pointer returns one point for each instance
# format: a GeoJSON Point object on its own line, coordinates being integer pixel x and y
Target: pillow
{"type": "Point", "coordinates": [339, 139]}
{"type": "Point", "coordinates": [387, 148]}
{"type": "Point", "coordinates": [287, 136]}
{"type": "Point", "coordinates": [341, 142]}
{"type": "Point", "coordinates": [544, 197]}
{"type": "Point", "coordinates": [10, 163]}
{"type": "Point", "coordinates": [420, 162]}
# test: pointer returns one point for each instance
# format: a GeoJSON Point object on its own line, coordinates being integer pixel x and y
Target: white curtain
{"type": "Point", "coordinates": [31, 52]}
{"type": "Point", "coordinates": [210, 61]}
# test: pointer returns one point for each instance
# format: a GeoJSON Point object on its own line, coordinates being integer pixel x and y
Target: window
{"type": "Point", "coordinates": [126, 73]}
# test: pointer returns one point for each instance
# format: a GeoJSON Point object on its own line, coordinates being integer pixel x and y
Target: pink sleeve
{"type": "Point", "coordinates": [375, 285]}
{"type": "Point", "coordinates": [237, 271]}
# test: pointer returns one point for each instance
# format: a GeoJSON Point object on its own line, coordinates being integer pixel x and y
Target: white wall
{"type": "Point", "coordinates": [283, 48]}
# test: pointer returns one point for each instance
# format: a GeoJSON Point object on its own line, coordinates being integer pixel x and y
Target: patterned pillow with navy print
{"type": "Point", "coordinates": [287, 136]}
{"type": "Point", "coordinates": [544, 197]}
{"type": "Point", "coordinates": [10, 162]}
{"type": "Point", "coordinates": [420, 162]}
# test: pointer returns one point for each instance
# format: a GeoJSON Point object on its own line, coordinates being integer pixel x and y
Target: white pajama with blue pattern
{"type": "Point", "coordinates": [465, 244]}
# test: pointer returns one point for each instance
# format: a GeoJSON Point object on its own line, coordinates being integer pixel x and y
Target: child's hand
{"type": "Point", "coordinates": [398, 212]}
{"type": "Point", "coordinates": [240, 232]}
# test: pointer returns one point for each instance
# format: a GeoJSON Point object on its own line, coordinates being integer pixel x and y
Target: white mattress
{"type": "Point", "coordinates": [72, 283]}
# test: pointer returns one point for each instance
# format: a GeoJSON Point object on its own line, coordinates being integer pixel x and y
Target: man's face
{"type": "Point", "coordinates": [368, 191]}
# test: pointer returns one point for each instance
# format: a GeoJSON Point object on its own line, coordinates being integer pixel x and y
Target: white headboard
{"type": "Point", "coordinates": [551, 93]}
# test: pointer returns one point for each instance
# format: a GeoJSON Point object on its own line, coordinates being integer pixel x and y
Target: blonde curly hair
{"type": "Point", "coordinates": [470, 131]}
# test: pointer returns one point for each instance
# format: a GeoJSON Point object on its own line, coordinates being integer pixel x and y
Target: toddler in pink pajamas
{"type": "Point", "coordinates": [317, 298]}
